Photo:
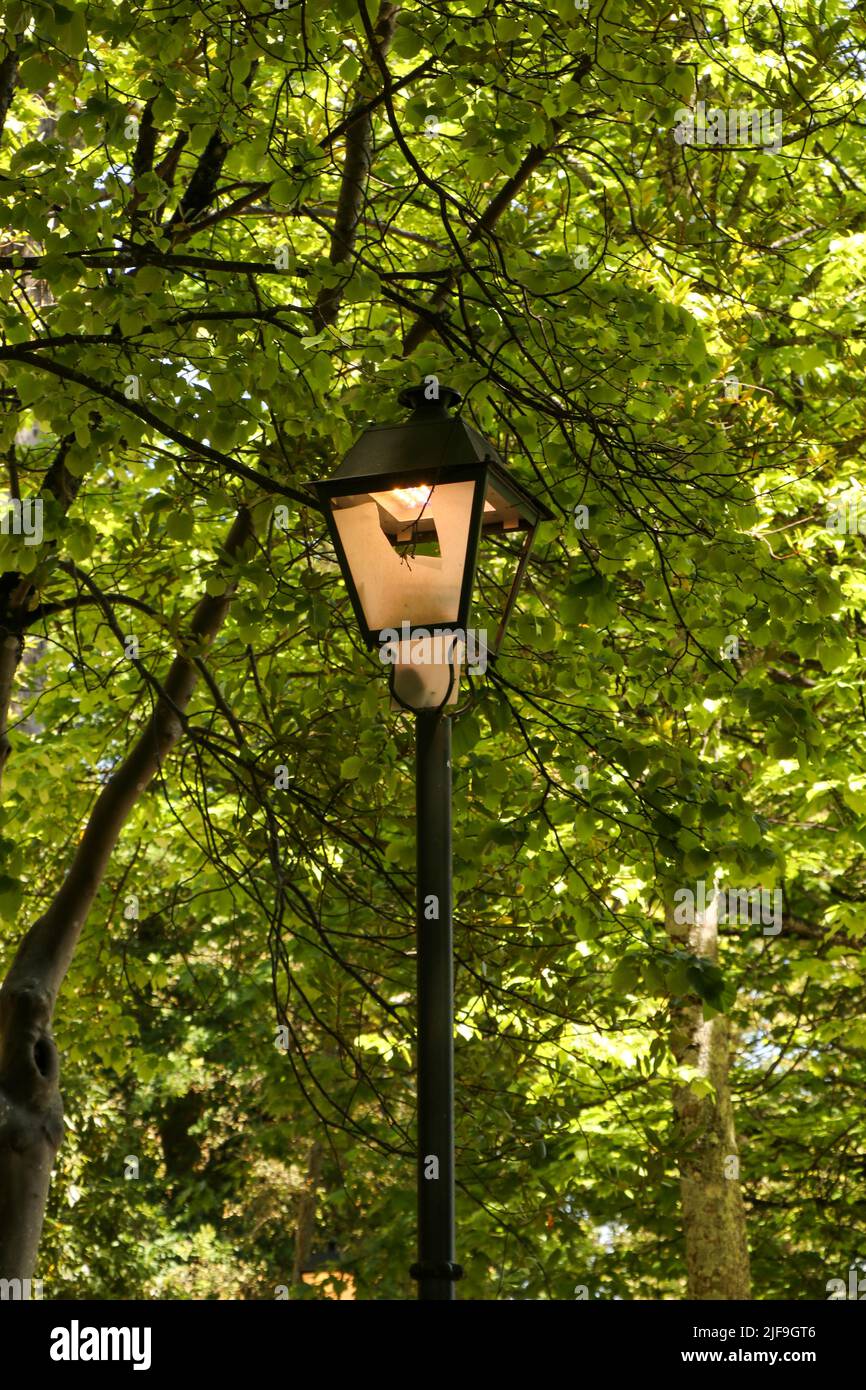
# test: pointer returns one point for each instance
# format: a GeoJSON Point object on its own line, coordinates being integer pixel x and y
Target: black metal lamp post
{"type": "Point", "coordinates": [407, 510]}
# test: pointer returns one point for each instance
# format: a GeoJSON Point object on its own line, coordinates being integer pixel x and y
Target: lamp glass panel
{"type": "Point", "coordinates": [406, 550]}
{"type": "Point", "coordinates": [499, 512]}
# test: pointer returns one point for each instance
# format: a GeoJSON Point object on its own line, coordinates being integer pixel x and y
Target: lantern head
{"type": "Point", "coordinates": [407, 510]}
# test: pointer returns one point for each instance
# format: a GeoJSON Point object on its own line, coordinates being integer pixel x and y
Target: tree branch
{"type": "Point", "coordinates": [195, 446]}
{"type": "Point", "coordinates": [356, 170]}
{"type": "Point", "coordinates": [422, 327]}
{"type": "Point", "coordinates": [44, 955]}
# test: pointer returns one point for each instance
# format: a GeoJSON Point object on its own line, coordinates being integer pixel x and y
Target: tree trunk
{"type": "Point", "coordinates": [31, 1123]}
{"type": "Point", "coordinates": [10, 652]}
{"type": "Point", "coordinates": [31, 1111]}
{"type": "Point", "coordinates": [305, 1227]}
{"type": "Point", "coordinates": [714, 1220]}
{"type": "Point", "coordinates": [356, 170]}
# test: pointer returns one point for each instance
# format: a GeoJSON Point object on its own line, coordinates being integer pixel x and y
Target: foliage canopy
{"type": "Point", "coordinates": [231, 234]}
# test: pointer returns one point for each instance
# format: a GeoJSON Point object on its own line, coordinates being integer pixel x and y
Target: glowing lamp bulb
{"type": "Point", "coordinates": [413, 496]}
{"type": "Point", "coordinates": [405, 503]}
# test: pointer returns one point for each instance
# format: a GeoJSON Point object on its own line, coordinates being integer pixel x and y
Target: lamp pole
{"type": "Point", "coordinates": [432, 482]}
{"type": "Point", "coordinates": [436, 1270]}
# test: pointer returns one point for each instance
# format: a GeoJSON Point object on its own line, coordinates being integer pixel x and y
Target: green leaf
{"type": "Point", "coordinates": [179, 525]}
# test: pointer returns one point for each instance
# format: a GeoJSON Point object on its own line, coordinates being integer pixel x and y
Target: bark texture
{"type": "Point", "coordinates": [31, 1123]}
{"type": "Point", "coordinates": [714, 1218]}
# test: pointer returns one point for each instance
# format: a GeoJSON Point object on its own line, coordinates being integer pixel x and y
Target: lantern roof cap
{"type": "Point", "coordinates": [431, 441]}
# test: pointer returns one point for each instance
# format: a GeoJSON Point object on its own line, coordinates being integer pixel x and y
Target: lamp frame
{"type": "Point", "coordinates": [529, 512]}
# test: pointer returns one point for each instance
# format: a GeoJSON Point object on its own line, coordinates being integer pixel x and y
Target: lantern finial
{"type": "Point", "coordinates": [424, 407]}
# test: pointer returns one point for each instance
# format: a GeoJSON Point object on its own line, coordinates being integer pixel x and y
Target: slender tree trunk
{"type": "Point", "coordinates": [305, 1228]}
{"type": "Point", "coordinates": [15, 592]}
{"type": "Point", "coordinates": [31, 1109]}
{"type": "Point", "coordinates": [356, 170]}
{"type": "Point", "coordinates": [8, 76]}
{"type": "Point", "coordinates": [714, 1219]}
{"type": "Point", "coordinates": [10, 652]}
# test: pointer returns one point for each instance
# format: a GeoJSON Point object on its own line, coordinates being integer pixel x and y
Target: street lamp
{"type": "Point", "coordinates": [407, 511]}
